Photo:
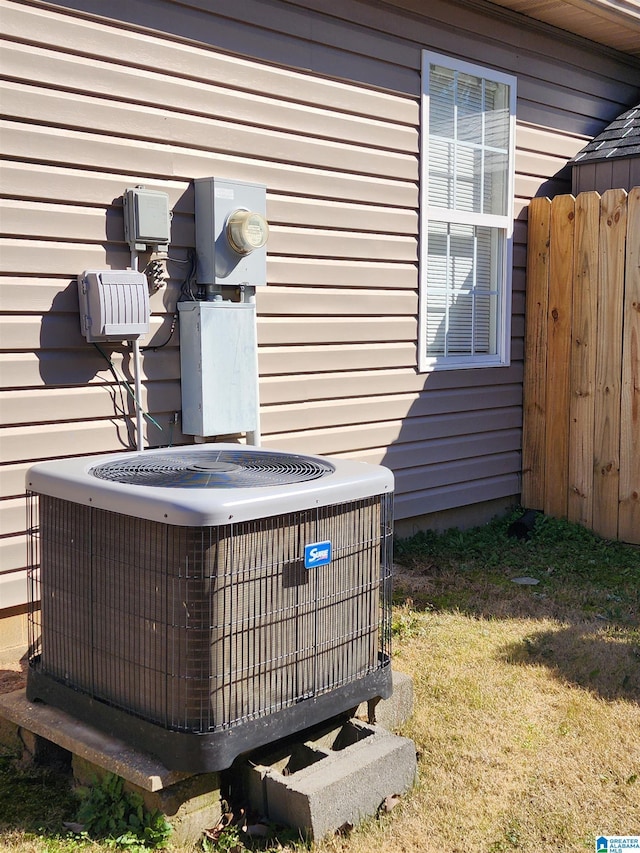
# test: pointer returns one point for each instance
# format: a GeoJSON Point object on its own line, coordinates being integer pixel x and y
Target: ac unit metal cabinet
{"type": "Point", "coordinates": [180, 605]}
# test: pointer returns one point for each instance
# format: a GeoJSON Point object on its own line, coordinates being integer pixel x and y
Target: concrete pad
{"type": "Point", "coordinates": [191, 803]}
{"type": "Point", "coordinates": [337, 778]}
{"type": "Point", "coordinates": [81, 739]}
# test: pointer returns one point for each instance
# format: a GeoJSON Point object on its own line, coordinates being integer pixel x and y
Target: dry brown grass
{"type": "Point", "coordinates": [527, 706]}
{"type": "Point", "coordinates": [514, 754]}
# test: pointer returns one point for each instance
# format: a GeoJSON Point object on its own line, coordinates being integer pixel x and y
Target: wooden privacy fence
{"type": "Point", "coordinates": [581, 432]}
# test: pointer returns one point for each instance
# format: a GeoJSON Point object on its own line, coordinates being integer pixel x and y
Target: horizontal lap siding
{"type": "Point", "coordinates": [91, 108]}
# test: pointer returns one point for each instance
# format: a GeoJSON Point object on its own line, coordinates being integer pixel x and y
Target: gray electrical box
{"type": "Point", "coordinates": [218, 367]}
{"type": "Point", "coordinates": [220, 260]}
{"type": "Point", "coordinates": [147, 220]}
{"type": "Point", "coordinates": [114, 305]}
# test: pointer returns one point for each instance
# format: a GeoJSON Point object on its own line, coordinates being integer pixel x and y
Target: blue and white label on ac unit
{"type": "Point", "coordinates": [317, 554]}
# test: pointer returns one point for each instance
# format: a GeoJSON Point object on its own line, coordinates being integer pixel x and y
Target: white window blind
{"type": "Point", "coordinates": [466, 214]}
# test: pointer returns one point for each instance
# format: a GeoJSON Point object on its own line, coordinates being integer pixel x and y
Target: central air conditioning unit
{"type": "Point", "coordinates": [202, 601]}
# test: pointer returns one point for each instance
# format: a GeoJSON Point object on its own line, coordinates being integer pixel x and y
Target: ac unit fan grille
{"type": "Point", "coordinates": [226, 469]}
{"type": "Point", "coordinates": [199, 629]}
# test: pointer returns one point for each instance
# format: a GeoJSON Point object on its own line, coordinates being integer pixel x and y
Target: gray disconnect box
{"type": "Point", "coordinates": [218, 365]}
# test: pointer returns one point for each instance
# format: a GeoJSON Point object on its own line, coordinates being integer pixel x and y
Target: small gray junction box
{"type": "Point", "coordinates": [147, 220]}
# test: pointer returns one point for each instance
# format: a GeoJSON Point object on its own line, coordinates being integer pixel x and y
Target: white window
{"type": "Point", "coordinates": [468, 130]}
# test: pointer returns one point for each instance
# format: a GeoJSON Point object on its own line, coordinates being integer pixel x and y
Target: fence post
{"type": "Point", "coordinates": [583, 358]}
{"type": "Point", "coordinates": [535, 358]}
{"type": "Point", "coordinates": [613, 228]}
{"type": "Point", "coordinates": [559, 354]}
{"type": "Point", "coordinates": [629, 521]}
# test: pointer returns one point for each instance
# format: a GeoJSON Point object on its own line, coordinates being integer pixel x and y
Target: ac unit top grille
{"type": "Point", "coordinates": [203, 485]}
{"type": "Point", "coordinates": [216, 469]}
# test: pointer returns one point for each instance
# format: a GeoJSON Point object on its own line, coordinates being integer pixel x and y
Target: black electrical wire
{"type": "Point", "coordinates": [154, 347]}
{"type": "Point", "coordinates": [122, 411]}
{"type": "Point", "coordinates": [186, 294]}
{"type": "Point", "coordinates": [186, 290]}
{"type": "Point", "coordinates": [126, 385]}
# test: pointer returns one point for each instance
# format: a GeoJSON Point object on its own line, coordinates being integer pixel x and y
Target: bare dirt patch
{"type": "Point", "coordinates": [12, 677]}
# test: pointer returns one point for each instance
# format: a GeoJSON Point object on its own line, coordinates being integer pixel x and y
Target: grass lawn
{"type": "Point", "coordinates": [527, 702]}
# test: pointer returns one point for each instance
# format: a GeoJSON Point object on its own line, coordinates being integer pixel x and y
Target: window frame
{"type": "Point", "coordinates": [502, 223]}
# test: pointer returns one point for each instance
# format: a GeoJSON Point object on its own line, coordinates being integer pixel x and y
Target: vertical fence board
{"type": "Point", "coordinates": [558, 354]}
{"type": "Point", "coordinates": [613, 228]}
{"type": "Point", "coordinates": [535, 360]}
{"type": "Point", "coordinates": [629, 520]}
{"type": "Point", "coordinates": [583, 356]}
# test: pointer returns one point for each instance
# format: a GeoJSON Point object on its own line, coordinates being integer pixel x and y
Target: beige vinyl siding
{"type": "Point", "coordinates": [320, 102]}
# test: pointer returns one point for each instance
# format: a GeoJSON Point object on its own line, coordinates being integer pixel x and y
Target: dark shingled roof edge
{"type": "Point", "coordinates": [620, 139]}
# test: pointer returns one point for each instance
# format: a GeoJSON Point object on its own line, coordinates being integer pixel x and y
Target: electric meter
{"type": "Point", "coordinates": [231, 232]}
{"type": "Point", "coordinates": [247, 231]}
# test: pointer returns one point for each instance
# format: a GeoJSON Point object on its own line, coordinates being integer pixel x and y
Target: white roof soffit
{"type": "Point", "coordinates": [611, 23]}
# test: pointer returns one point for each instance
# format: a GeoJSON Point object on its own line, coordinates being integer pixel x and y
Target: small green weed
{"type": "Point", "coordinates": [228, 841]}
{"type": "Point", "coordinates": [406, 621]}
{"type": "Point", "coordinates": [108, 811]}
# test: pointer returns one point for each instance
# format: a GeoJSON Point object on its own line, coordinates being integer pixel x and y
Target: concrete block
{"type": "Point", "coordinates": [393, 712]}
{"type": "Point", "coordinates": [338, 777]}
{"type": "Point", "coordinates": [191, 805]}
{"type": "Point", "coordinates": [10, 739]}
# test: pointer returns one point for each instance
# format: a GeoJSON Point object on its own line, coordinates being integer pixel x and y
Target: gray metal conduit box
{"type": "Point", "coordinates": [218, 367]}
{"type": "Point", "coordinates": [220, 261]}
